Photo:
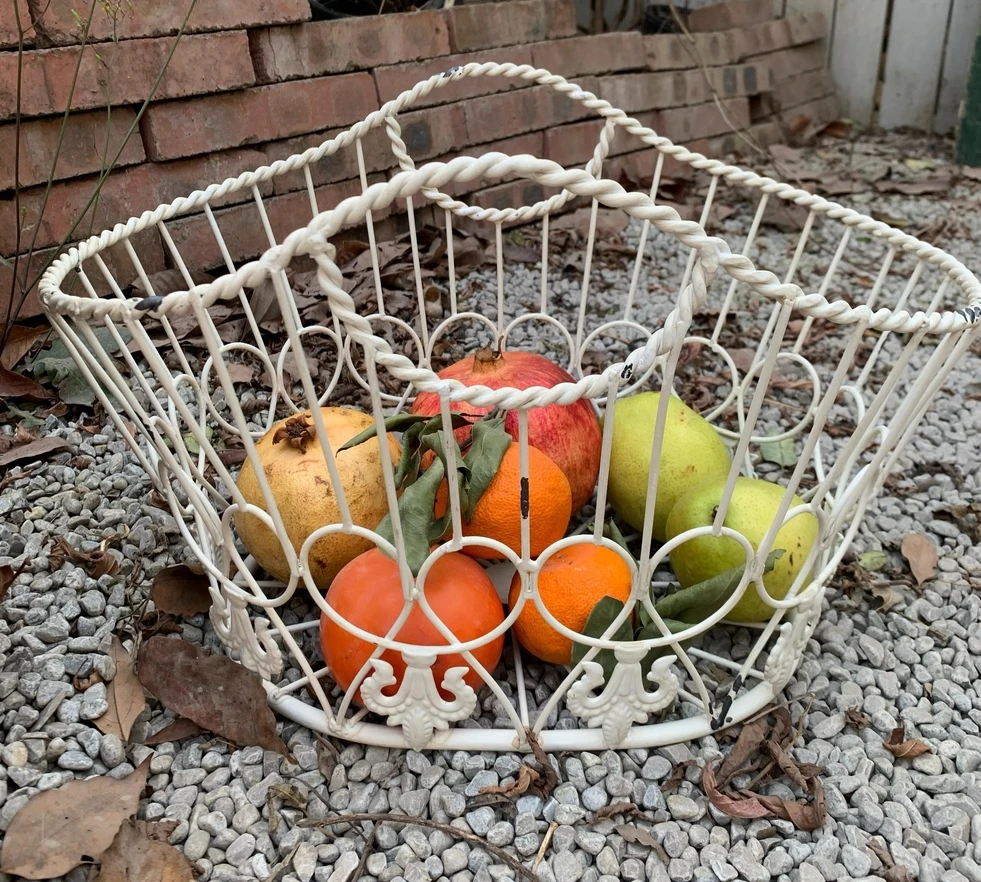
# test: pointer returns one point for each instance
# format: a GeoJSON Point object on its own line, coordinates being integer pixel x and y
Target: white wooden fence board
{"type": "Point", "coordinates": [965, 24]}
{"type": "Point", "coordinates": [913, 59]}
{"type": "Point", "coordinates": [856, 46]}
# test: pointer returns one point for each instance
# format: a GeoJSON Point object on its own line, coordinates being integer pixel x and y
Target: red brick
{"type": "Point", "coordinates": [253, 116]}
{"type": "Point", "coordinates": [686, 124]}
{"type": "Point", "coordinates": [597, 53]}
{"type": "Point", "coordinates": [124, 194]}
{"type": "Point", "coordinates": [9, 32]}
{"type": "Point", "coordinates": [148, 247]}
{"type": "Point", "coordinates": [145, 19]}
{"type": "Point", "coordinates": [242, 229]}
{"type": "Point", "coordinates": [674, 51]}
{"type": "Point", "coordinates": [732, 14]}
{"type": "Point", "coordinates": [525, 110]}
{"type": "Point", "coordinates": [426, 134]}
{"type": "Point", "coordinates": [393, 80]}
{"type": "Point", "coordinates": [514, 194]}
{"type": "Point", "coordinates": [809, 86]}
{"type": "Point", "coordinates": [792, 62]}
{"type": "Point", "coordinates": [824, 110]}
{"type": "Point", "coordinates": [806, 28]}
{"type": "Point", "coordinates": [779, 34]}
{"type": "Point", "coordinates": [573, 145]}
{"type": "Point", "coordinates": [135, 65]}
{"type": "Point", "coordinates": [356, 43]}
{"type": "Point", "coordinates": [492, 25]}
{"type": "Point", "coordinates": [82, 150]}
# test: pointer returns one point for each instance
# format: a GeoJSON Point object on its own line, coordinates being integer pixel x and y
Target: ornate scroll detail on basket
{"type": "Point", "coordinates": [624, 700]}
{"type": "Point", "coordinates": [786, 652]}
{"type": "Point", "coordinates": [417, 706]}
{"type": "Point", "coordinates": [251, 639]}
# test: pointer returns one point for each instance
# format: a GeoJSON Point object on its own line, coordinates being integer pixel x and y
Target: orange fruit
{"type": "Point", "coordinates": [498, 513]}
{"type": "Point", "coordinates": [571, 582]}
{"type": "Point", "coordinates": [367, 592]}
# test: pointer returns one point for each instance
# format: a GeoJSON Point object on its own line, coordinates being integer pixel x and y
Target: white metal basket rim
{"type": "Point", "coordinates": [51, 281]}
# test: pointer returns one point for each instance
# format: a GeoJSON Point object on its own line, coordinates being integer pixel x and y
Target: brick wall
{"type": "Point", "coordinates": [254, 81]}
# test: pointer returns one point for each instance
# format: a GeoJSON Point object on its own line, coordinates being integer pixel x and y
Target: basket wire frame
{"type": "Point", "coordinates": [165, 403]}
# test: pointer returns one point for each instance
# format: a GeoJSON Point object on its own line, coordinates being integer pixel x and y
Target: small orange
{"type": "Point", "coordinates": [498, 513]}
{"type": "Point", "coordinates": [571, 583]}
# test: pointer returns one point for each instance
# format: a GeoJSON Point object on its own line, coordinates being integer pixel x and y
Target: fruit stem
{"type": "Point", "coordinates": [487, 356]}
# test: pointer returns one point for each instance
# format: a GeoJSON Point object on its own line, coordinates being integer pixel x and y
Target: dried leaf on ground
{"type": "Point", "coordinates": [7, 576]}
{"type": "Point", "coordinates": [19, 343]}
{"type": "Point", "coordinates": [633, 833]}
{"type": "Point", "coordinates": [59, 829]}
{"type": "Point", "coordinates": [890, 871]}
{"type": "Point", "coordinates": [887, 594]}
{"type": "Point", "coordinates": [96, 563]}
{"type": "Point", "coordinates": [856, 718]}
{"type": "Point", "coordinates": [938, 184]}
{"type": "Point", "coordinates": [140, 852]}
{"type": "Point", "coordinates": [14, 386]}
{"type": "Point", "coordinates": [783, 153]}
{"type": "Point", "coordinates": [33, 450]}
{"type": "Point", "coordinates": [181, 590]}
{"type": "Point", "coordinates": [616, 810]}
{"type": "Point", "coordinates": [179, 729]}
{"type": "Point", "coordinates": [745, 753]}
{"type": "Point", "coordinates": [905, 748]}
{"type": "Point", "coordinates": [213, 691]}
{"type": "Point", "coordinates": [921, 554]}
{"type": "Point", "coordinates": [544, 787]}
{"type": "Point", "coordinates": [745, 804]}
{"type": "Point", "coordinates": [677, 775]}
{"type": "Point", "coordinates": [124, 695]}
{"type": "Point", "coordinates": [526, 777]}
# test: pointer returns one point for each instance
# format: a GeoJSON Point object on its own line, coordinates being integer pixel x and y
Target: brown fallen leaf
{"type": "Point", "coordinates": [177, 730]}
{"type": "Point", "coordinates": [239, 372]}
{"type": "Point", "coordinates": [213, 691]}
{"type": "Point", "coordinates": [745, 753]}
{"type": "Point", "coordinates": [856, 718]}
{"type": "Point", "coordinates": [633, 833]}
{"type": "Point", "coordinates": [921, 554]}
{"type": "Point", "coordinates": [905, 748]}
{"type": "Point", "coordinates": [33, 450]}
{"type": "Point", "coordinates": [14, 386]}
{"type": "Point", "coordinates": [887, 594]}
{"type": "Point", "coordinates": [745, 804]}
{"type": "Point", "coordinates": [181, 590]}
{"type": "Point", "coordinates": [96, 563]}
{"type": "Point", "coordinates": [544, 787]}
{"type": "Point", "coordinates": [940, 184]}
{"type": "Point", "coordinates": [677, 775]}
{"type": "Point", "coordinates": [19, 343]}
{"type": "Point", "coordinates": [526, 777]}
{"type": "Point", "coordinates": [7, 576]}
{"type": "Point", "coordinates": [124, 695]}
{"type": "Point", "coordinates": [140, 852]}
{"type": "Point", "coordinates": [616, 810]}
{"type": "Point", "coordinates": [59, 829]}
{"type": "Point", "coordinates": [890, 871]}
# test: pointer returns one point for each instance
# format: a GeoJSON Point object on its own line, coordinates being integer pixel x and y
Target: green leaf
{"type": "Point", "coordinates": [191, 443]}
{"type": "Point", "coordinates": [55, 366]}
{"type": "Point", "coordinates": [873, 560]}
{"type": "Point", "coordinates": [600, 619]}
{"type": "Point", "coordinates": [783, 453]}
{"type": "Point", "coordinates": [416, 515]}
{"type": "Point", "coordinates": [402, 422]}
{"type": "Point", "coordinates": [487, 448]}
{"type": "Point", "coordinates": [612, 532]}
{"type": "Point", "coordinates": [26, 417]}
{"type": "Point", "coordinates": [711, 593]}
{"type": "Point", "coordinates": [408, 467]}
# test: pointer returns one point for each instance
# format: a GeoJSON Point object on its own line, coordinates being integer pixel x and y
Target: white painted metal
{"type": "Point", "coordinates": [248, 612]}
{"type": "Point", "coordinates": [962, 35]}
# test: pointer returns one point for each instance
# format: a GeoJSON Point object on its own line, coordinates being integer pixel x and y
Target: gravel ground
{"type": "Point", "coordinates": [913, 665]}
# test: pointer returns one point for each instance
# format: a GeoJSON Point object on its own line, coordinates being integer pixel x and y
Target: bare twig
{"type": "Point", "coordinates": [385, 817]}
{"type": "Point", "coordinates": [546, 839]}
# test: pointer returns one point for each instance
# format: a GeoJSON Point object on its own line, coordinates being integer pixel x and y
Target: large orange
{"type": "Point", "coordinates": [368, 593]}
{"type": "Point", "coordinates": [498, 513]}
{"type": "Point", "coordinates": [571, 583]}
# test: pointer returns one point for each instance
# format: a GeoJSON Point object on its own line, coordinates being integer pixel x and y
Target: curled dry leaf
{"type": "Point", "coordinates": [905, 748]}
{"type": "Point", "coordinates": [7, 576]}
{"type": "Point", "coordinates": [181, 590]}
{"type": "Point", "coordinates": [526, 777]}
{"type": "Point", "coordinates": [887, 594]}
{"type": "Point", "coordinates": [544, 787]}
{"type": "Point", "coordinates": [616, 810]}
{"type": "Point", "coordinates": [677, 775]}
{"type": "Point", "coordinates": [33, 450]}
{"type": "Point", "coordinates": [96, 563]}
{"type": "Point", "coordinates": [921, 554]}
{"type": "Point", "coordinates": [140, 852]}
{"type": "Point", "coordinates": [59, 829]}
{"type": "Point", "coordinates": [633, 833]}
{"type": "Point", "coordinates": [856, 718]}
{"type": "Point", "coordinates": [124, 695]}
{"type": "Point", "coordinates": [211, 690]}
{"type": "Point", "coordinates": [745, 804]}
{"type": "Point", "coordinates": [177, 730]}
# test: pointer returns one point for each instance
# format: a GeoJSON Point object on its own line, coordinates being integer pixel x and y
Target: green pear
{"type": "Point", "coordinates": [751, 511]}
{"type": "Point", "coordinates": [691, 452]}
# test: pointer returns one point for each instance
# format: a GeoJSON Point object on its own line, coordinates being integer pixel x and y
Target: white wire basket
{"type": "Point", "coordinates": [834, 376]}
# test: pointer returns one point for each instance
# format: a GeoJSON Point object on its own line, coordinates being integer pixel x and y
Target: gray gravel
{"type": "Point", "coordinates": [913, 665]}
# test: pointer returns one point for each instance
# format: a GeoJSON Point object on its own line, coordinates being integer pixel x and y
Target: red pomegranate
{"type": "Point", "coordinates": [570, 434]}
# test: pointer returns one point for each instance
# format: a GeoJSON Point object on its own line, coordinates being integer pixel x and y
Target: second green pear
{"type": "Point", "coordinates": [691, 453]}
